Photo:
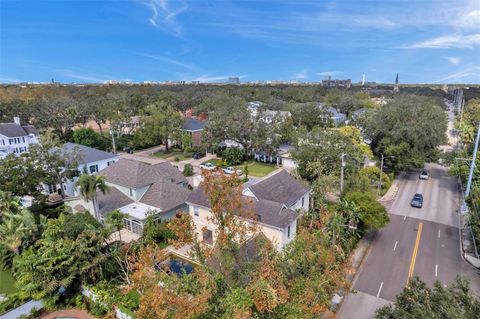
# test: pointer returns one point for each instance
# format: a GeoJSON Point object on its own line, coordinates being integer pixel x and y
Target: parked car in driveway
{"type": "Point", "coordinates": [198, 155]}
{"type": "Point", "coordinates": [417, 201]}
{"type": "Point", "coordinates": [424, 175]}
{"type": "Point", "coordinates": [208, 166]}
{"type": "Point", "coordinates": [230, 170]}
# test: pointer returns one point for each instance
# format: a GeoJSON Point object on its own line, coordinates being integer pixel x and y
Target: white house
{"type": "Point", "coordinates": [91, 161]}
{"type": "Point", "coordinates": [271, 116]}
{"type": "Point", "coordinates": [277, 202]}
{"type": "Point", "coordinates": [16, 138]}
{"type": "Point", "coordinates": [138, 190]}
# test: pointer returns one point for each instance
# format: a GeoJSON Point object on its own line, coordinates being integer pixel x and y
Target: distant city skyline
{"type": "Point", "coordinates": [255, 40]}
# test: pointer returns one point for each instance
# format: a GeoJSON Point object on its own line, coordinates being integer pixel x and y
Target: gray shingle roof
{"type": "Point", "coordinates": [168, 187]}
{"type": "Point", "coordinates": [269, 212]}
{"type": "Point", "coordinates": [280, 187]}
{"type": "Point", "coordinates": [112, 200]}
{"type": "Point", "coordinates": [134, 174]}
{"type": "Point", "coordinates": [192, 124]}
{"type": "Point", "coordinates": [16, 130]}
{"type": "Point", "coordinates": [87, 154]}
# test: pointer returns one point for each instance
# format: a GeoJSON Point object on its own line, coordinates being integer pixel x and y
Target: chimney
{"type": "Point", "coordinates": [16, 120]}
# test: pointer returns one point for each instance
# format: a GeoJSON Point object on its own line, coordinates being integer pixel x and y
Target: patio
{"type": "Point", "coordinates": [70, 313]}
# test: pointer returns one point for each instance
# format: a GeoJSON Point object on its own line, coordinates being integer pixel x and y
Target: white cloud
{"type": "Point", "coordinates": [300, 75]}
{"type": "Point", "coordinates": [471, 74]}
{"type": "Point", "coordinates": [167, 60]}
{"type": "Point", "coordinates": [91, 78]}
{"type": "Point", "coordinates": [10, 80]}
{"type": "Point", "coordinates": [445, 42]}
{"type": "Point", "coordinates": [164, 15]}
{"type": "Point", "coordinates": [453, 60]}
{"type": "Point", "coordinates": [469, 19]}
{"type": "Point", "coordinates": [329, 73]}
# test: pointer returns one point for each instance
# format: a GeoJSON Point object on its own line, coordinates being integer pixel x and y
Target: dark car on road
{"type": "Point", "coordinates": [198, 155]}
{"type": "Point", "coordinates": [417, 201]}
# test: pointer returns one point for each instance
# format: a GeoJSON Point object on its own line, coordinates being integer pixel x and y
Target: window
{"type": "Point", "coordinates": [52, 188]}
{"type": "Point", "coordinates": [93, 169]}
{"type": "Point", "coordinates": [131, 192]}
{"type": "Point", "coordinates": [288, 231]}
{"type": "Point", "coordinates": [23, 139]}
{"type": "Point", "coordinates": [110, 163]}
{"type": "Point", "coordinates": [303, 201]}
{"type": "Point", "coordinates": [196, 211]}
{"type": "Point", "coordinates": [207, 236]}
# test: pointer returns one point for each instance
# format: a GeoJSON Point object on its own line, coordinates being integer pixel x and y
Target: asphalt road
{"type": "Point", "coordinates": [440, 195]}
{"type": "Point", "coordinates": [421, 242]}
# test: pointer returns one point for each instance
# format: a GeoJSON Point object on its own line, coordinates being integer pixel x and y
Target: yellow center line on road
{"type": "Point", "coordinates": [415, 252]}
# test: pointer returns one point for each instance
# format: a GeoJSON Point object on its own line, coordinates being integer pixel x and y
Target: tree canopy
{"type": "Point", "coordinates": [408, 130]}
{"type": "Point", "coordinates": [419, 301]}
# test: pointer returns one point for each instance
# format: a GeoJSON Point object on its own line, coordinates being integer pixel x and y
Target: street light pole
{"type": "Point", "coordinates": [472, 166]}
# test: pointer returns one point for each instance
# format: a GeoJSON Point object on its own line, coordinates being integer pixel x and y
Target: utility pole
{"type": "Point", "coordinates": [380, 181]}
{"type": "Point", "coordinates": [472, 166]}
{"type": "Point", "coordinates": [341, 171]}
{"type": "Point", "coordinates": [113, 141]}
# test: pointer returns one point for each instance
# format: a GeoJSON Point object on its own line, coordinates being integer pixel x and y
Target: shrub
{"type": "Point", "coordinates": [233, 155]}
{"type": "Point", "coordinates": [188, 170]}
{"type": "Point", "coordinates": [176, 159]}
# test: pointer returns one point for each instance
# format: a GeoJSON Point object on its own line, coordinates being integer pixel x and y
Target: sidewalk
{"type": "Point", "coordinates": [467, 246]}
{"type": "Point", "coordinates": [350, 297]}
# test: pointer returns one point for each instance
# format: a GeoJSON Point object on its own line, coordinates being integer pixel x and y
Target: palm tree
{"type": "Point", "coordinates": [88, 186]}
{"type": "Point", "coordinates": [115, 221]}
{"type": "Point", "coordinates": [18, 228]}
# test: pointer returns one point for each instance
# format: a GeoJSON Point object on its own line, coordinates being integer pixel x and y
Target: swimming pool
{"type": "Point", "coordinates": [176, 265]}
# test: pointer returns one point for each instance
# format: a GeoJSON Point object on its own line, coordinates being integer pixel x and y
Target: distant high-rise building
{"type": "Point", "coordinates": [395, 88]}
{"type": "Point", "coordinates": [363, 80]}
{"type": "Point", "coordinates": [233, 80]}
{"type": "Point", "coordinates": [336, 83]}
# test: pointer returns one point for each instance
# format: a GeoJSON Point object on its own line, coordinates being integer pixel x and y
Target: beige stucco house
{"type": "Point", "coordinates": [277, 201]}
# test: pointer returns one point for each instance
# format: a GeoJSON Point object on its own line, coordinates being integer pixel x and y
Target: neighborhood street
{"type": "Point", "coordinates": [421, 242]}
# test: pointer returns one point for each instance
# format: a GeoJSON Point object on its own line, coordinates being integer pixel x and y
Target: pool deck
{"type": "Point", "coordinates": [70, 313]}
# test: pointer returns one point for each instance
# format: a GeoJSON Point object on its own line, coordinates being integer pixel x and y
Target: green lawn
{"type": "Point", "coordinates": [7, 287]}
{"type": "Point", "coordinates": [172, 155]}
{"type": "Point", "coordinates": [256, 169]}
{"type": "Point", "coordinates": [260, 169]}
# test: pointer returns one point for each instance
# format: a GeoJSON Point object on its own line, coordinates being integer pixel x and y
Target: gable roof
{"type": "Point", "coordinates": [87, 154]}
{"type": "Point", "coordinates": [16, 130]}
{"type": "Point", "coordinates": [134, 174]}
{"type": "Point", "coordinates": [192, 124]}
{"type": "Point", "coordinates": [280, 187]}
{"type": "Point", "coordinates": [111, 200]}
{"type": "Point", "coordinates": [269, 212]}
{"type": "Point", "coordinates": [167, 186]}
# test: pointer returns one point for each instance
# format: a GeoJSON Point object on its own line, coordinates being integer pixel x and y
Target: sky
{"type": "Point", "coordinates": [424, 41]}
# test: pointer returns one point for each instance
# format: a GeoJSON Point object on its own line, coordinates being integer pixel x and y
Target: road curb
{"type": "Point", "coordinates": [393, 190]}
{"type": "Point", "coordinates": [357, 264]}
